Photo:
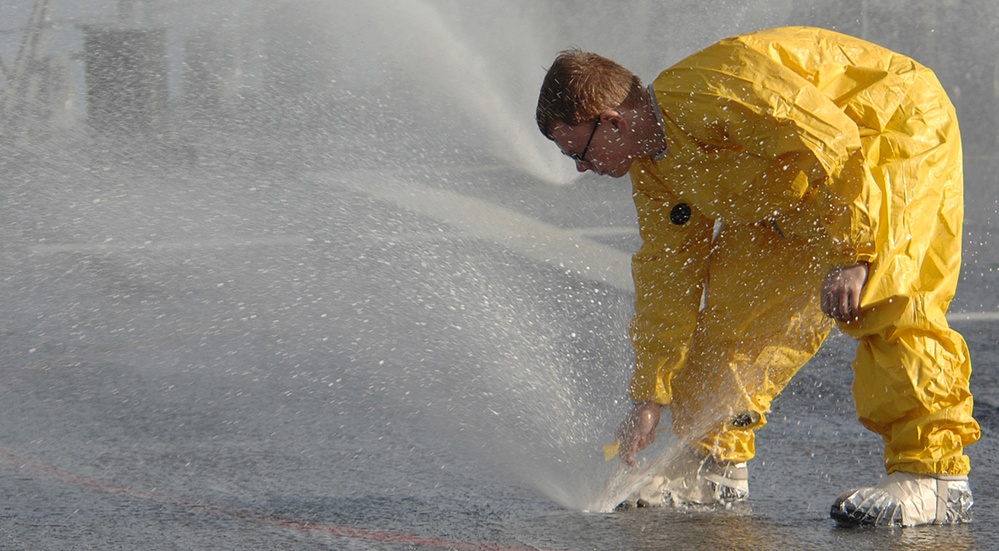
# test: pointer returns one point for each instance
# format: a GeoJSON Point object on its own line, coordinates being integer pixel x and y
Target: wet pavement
{"type": "Point", "coordinates": [250, 356]}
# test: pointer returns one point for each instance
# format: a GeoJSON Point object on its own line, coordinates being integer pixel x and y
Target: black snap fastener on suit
{"type": "Point", "coordinates": [680, 214]}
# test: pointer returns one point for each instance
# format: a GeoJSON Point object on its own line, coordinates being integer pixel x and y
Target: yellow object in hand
{"type": "Point", "coordinates": [611, 450]}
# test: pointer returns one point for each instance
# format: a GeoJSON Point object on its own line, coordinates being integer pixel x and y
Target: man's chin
{"type": "Point", "coordinates": [621, 171]}
{"type": "Point", "coordinates": [614, 172]}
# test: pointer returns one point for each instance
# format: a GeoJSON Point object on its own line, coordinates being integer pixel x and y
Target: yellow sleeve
{"type": "Point", "coordinates": [669, 272]}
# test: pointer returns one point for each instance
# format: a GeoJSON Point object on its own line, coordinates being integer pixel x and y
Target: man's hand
{"type": "Point", "coordinates": [638, 429]}
{"type": "Point", "coordinates": [841, 292]}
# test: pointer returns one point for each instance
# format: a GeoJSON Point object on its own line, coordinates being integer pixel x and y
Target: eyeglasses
{"type": "Point", "coordinates": [581, 156]}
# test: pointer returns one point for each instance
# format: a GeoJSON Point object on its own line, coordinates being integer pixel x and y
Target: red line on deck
{"type": "Point", "coordinates": [38, 468]}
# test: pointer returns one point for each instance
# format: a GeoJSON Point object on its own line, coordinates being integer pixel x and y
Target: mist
{"type": "Point", "coordinates": [294, 224]}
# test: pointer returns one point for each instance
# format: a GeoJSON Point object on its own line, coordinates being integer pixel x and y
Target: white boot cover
{"type": "Point", "coordinates": [907, 499]}
{"type": "Point", "coordinates": [692, 480]}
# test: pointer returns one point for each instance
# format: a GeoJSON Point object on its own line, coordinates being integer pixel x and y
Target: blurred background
{"type": "Point", "coordinates": [405, 81]}
{"type": "Point", "coordinates": [232, 85]}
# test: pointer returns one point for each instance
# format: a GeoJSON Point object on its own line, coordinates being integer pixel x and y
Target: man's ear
{"type": "Point", "coordinates": [616, 119]}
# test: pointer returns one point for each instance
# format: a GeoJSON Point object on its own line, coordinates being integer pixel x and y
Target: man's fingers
{"type": "Point", "coordinates": [630, 450]}
{"type": "Point", "coordinates": [644, 441]}
{"type": "Point", "coordinates": [841, 304]}
{"type": "Point", "coordinates": [633, 443]}
{"type": "Point", "coordinates": [851, 305]}
{"type": "Point", "coordinates": [833, 305]}
{"type": "Point", "coordinates": [841, 292]}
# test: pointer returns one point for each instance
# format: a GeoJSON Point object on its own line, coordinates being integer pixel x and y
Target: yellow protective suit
{"type": "Point", "coordinates": [811, 150]}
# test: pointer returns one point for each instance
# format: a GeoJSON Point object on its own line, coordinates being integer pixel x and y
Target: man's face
{"type": "Point", "coordinates": [596, 146]}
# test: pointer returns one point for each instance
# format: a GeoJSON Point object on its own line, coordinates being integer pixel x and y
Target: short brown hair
{"type": "Point", "coordinates": [580, 85]}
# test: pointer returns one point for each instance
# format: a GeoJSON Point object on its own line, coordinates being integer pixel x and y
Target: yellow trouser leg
{"type": "Point", "coordinates": [762, 323]}
{"type": "Point", "coordinates": [912, 370]}
{"type": "Point", "coordinates": [912, 389]}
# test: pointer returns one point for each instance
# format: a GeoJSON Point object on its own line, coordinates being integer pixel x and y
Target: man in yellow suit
{"type": "Point", "coordinates": [786, 180]}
